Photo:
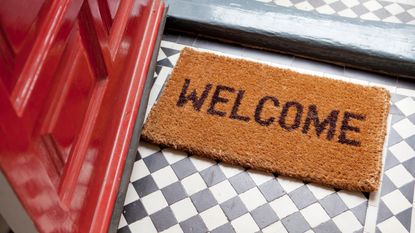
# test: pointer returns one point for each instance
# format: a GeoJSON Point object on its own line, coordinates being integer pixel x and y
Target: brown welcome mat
{"type": "Point", "coordinates": [257, 116]}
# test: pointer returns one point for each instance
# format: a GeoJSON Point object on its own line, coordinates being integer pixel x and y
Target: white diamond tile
{"type": "Point", "coordinates": [372, 5]}
{"type": "Point", "coordinates": [392, 225]}
{"type": "Point", "coordinates": [289, 184]}
{"type": "Point", "coordinates": [252, 198]}
{"type": "Point", "coordinates": [173, 156]}
{"type": "Point", "coordinates": [304, 6]}
{"type": "Point", "coordinates": [396, 202]}
{"type": "Point", "coordinates": [201, 163]}
{"type": "Point", "coordinates": [145, 149]}
{"type": "Point", "coordinates": [405, 128]}
{"type": "Point", "coordinates": [260, 177]}
{"type": "Point", "coordinates": [405, 91]}
{"type": "Point", "coordinates": [347, 222]}
{"type": "Point", "coordinates": [230, 170]}
{"type": "Point", "coordinates": [245, 223]}
{"type": "Point", "coordinates": [143, 225]}
{"type": "Point", "coordinates": [183, 209]}
{"type": "Point", "coordinates": [123, 222]}
{"type": "Point", "coordinates": [154, 202]}
{"type": "Point", "coordinates": [286, 3]}
{"type": "Point", "coordinates": [223, 191]}
{"type": "Point", "coordinates": [164, 177]}
{"type": "Point", "coordinates": [174, 229]}
{"type": "Point", "coordinates": [193, 184]}
{"type": "Point", "coordinates": [351, 3]}
{"type": "Point", "coordinates": [392, 19]}
{"type": "Point", "coordinates": [394, 8]}
{"type": "Point", "coordinates": [283, 206]}
{"type": "Point", "coordinates": [325, 9]}
{"type": "Point", "coordinates": [213, 217]}
{"type": "Point", "coordinates": [399, 175]}
{"type": "Point", "coordinates": [320, 191]}
{"type": "Point", "coordinates": [140, 170]}
{"type": "Point", "coordinates": [369, 16]}
{"type": "Point", "coordinates": [351, 199]}
{"type": "Point", "coordinates": [315, 214]}
{"type": "Point", "coordinates": [131, 195]}
{"type": "Point", "coordinates": [407, 106]}
{"type": "Point", "coordinates": [402, 151]}
{"type": "Point", "coordinates": [274, 228]}
{"type": "Point", "coordinates": [347, 13]}
{"type": "Point", "coordinates": [161, 55]}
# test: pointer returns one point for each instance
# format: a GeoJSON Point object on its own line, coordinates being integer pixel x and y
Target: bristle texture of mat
{"type": "Point", "coordinates": [276, 120]}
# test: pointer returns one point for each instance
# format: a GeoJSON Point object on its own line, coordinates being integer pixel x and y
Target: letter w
{"type": "Point", "coordinates": [312, 116]}
{"type": "Point", "coordinates": [197, 101]}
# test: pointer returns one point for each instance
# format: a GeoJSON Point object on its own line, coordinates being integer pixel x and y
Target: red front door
{"type": "Point", "coordinates": [71, 77]}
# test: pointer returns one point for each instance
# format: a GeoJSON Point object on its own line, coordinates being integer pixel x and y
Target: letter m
{"type": "Point", "coordinates": [196, 101]}
{"type": "Point", "coordinates": [312, 117]}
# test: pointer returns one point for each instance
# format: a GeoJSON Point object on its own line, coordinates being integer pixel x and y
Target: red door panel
{"type": "Point", "coordinates": [71, 80]}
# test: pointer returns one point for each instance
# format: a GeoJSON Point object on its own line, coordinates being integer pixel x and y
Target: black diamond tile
{"type": "Point", "coordinates": [203, 200]}
{"type": "Point", "coordinates": [264, 216]}
{"type": "Point", "coordinates": [158, 69]}
{"type": "Point", "coordinates": [360, 9]}
{"type": "Point", "coordinates": [411, 118]}
{"type": "Point", "coordinates": [405, 218]}
{"type": "Point", "coordinates": [165, 62]}
{"type": "Point", "coordinates": [302, 197]}
{"type": "Point", "coordinates": [394, 137]}
{"type": "Point", "coordinates": [155, 162]}
{"type": "Point", "coordinates": [242, 182]}
{"type": "Point", "coordinates": [137, 156]}
{"type": "Point", "coordinates": [174, 193]}
{"type": "Point", "coordinates": [233, 208]}
{"type": "Point", "coordinates": [338, 6]}
{"type": "Point", "coordinates": [271, 190]}
{"type": "Point", "coordinates": [134, 211]}
{"type": "Point", "coordinates": [163, 219]}
{"type": "Point", "coordinates": [396, 97]}
{"type": "Point", "coordinates": [411, 141]}
{"type": "Point", "coordinates": [382, 13]}
{"type": "Point", "coordinates": [225, 228]}
{"type": "Point", "coordinates": [194, 224]}
{"type": "Point", "coordinates": [295, 223]}
{"type": "Point", "coordinates": [404, 17]}
{"type": "Point", "coordinates": [333, 205]}
{"type": "Point", "coordinates": [327, 227]}
{"type": "Point", "coordinates": [394, 110]}
{"type": "Point", "coordinates": [297, 1]}
{"type": "Point", "coordinates": [396, 118]}
{"type": "Point", "coordinates": [410, 166]}
{"type": "Point", "coordinates": [383, 212]}
{"type": "Point", "coordinates": [391, 161]}
{"type": "Point", "coordinates": [408, 191]}
{"type": "Point", "coordinates": [183, 168]}
{"type": "Point", "coordinates": [124, 229]}
{"type": "Point", "coordinates": [387, 186]}
{"type": "Point", "coordinates": [212, 175]}
{"type": "Point", "coordinates": [360, 212]}
{"type": "Point", "coordinates": [145, 186]}
{"type": "Point", "coordinates": [169, 52]}
{"type": "Point", "coordinates": [316, 3]}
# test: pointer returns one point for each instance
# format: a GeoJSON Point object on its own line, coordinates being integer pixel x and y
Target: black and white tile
{"type": "Point", "coordinates": [171, 191]}
{"type": "Point", "coordinates": [392, 11]}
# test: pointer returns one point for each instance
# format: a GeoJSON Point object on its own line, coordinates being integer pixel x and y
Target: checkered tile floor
{"type": "Point", "coordinates": [399, 11]}
{"type": "Point", "coordinates": [171, 191]}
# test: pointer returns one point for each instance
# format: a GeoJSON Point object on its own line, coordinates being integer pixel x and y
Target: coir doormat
{"type": "Point", "coordinates": [276, 120]}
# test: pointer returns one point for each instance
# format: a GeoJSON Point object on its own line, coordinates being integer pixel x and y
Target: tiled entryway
{"type": "Point", "coordinates": [392, 11]}
{"type": "Point", "coordinates": [171, 191]}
